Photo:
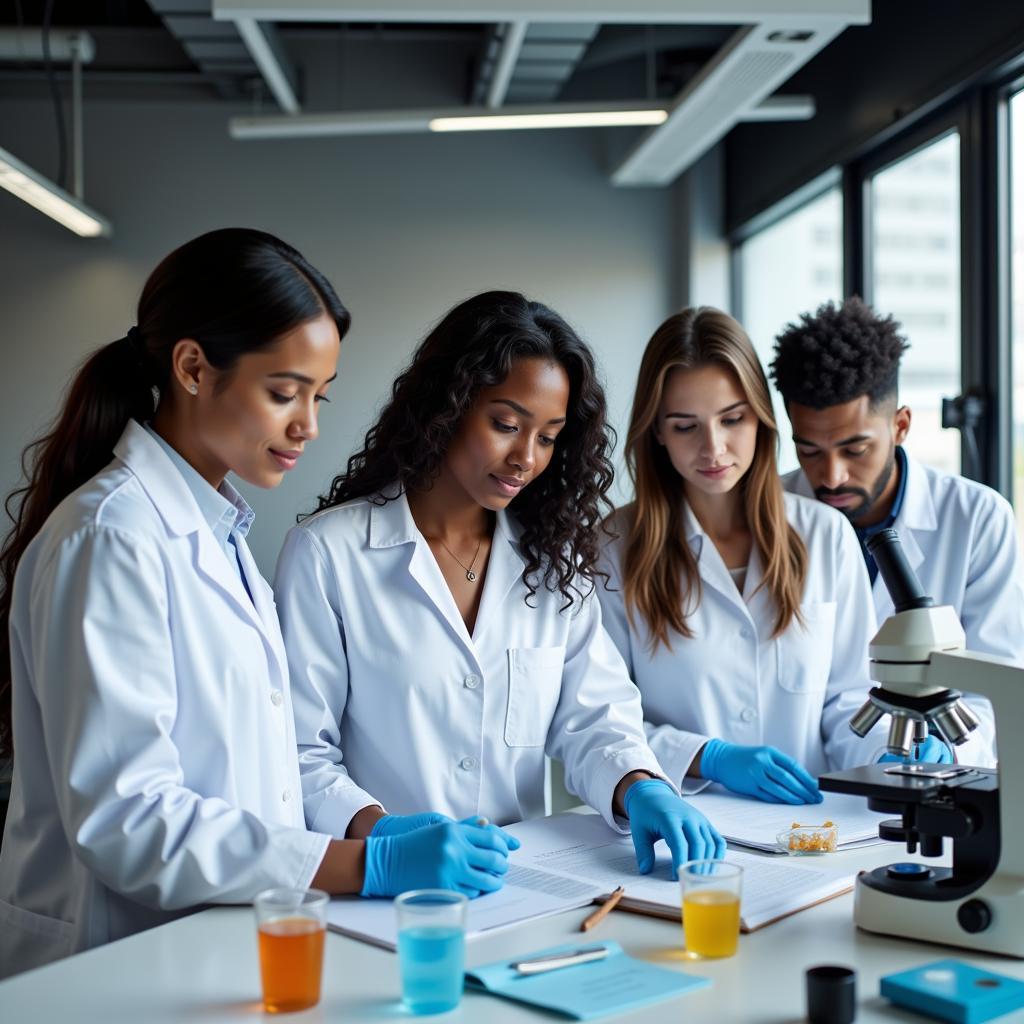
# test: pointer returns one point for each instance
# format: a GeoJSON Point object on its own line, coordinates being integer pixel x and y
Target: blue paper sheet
{"type": "Point", "coordinates": [586, 991]}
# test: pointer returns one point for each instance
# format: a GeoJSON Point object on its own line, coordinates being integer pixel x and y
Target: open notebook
{"type": "Point", "coordinates": [756, 824]}
{"type": "Point", "coordinates": [570, 860]}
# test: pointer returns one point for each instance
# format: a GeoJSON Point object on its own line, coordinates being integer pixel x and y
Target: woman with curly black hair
{"type": "Point", "coordinates": [439, 610]}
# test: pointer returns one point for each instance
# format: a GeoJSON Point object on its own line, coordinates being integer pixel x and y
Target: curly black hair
{"type": "Point", "coordinates": [474, 347]}
{"type": "Point", "coordinates": [837, 355]}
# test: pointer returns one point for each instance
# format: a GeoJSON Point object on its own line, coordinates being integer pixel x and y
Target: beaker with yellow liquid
{"type": "Point", "coordinates": [711, 907]}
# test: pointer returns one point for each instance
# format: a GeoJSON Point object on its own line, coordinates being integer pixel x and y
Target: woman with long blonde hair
{"type": "Point", "coordinates": [724, 595]}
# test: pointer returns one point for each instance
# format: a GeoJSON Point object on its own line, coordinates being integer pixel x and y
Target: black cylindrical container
{"type": "Point", "coordinates": [831, 995]}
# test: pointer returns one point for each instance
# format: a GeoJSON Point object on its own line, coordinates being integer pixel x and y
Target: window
{"type": "Point", "coordinates": [790, 268]}
{"type": "Point", "coordinates": [1017, 298]}
{"type": "Point", "coordinates": [915, 275]}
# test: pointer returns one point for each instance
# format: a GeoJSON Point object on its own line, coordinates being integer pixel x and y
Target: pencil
{"type": "Point", "coordinates": [604, 910]}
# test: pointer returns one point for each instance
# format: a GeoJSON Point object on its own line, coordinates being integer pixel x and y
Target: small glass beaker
{"type": "Point", "coordinates": [431, 948]}
{"type": "Point", "coordinates": [711, 907]}
{"type": "Point", "coordinates": [292, 924]}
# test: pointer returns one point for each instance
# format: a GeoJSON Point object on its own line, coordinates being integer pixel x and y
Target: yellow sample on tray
{"type": "Point", "coordinates": [813, 838]}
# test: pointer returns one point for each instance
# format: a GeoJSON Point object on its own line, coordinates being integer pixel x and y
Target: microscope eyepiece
{"type": "Point", "coordinates": [900, 580]}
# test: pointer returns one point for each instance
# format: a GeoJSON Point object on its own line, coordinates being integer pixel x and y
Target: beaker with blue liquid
{"type": "Point", "coordinates": [431, 948]}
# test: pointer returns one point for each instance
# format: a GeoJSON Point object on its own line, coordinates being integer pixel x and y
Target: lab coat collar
{"type": "Point", "coordinates": [918, 512]}
{"type": "Point", "coordinates": [392, 525]}
{"type": "Point", "coordinates": [160, 479]}
{"type": "Point", "coordinates": [391, 521]}
{"type": "Point", "coordinates": [712, 568]}
{"type": "Point", "coordinates": [177, 507]}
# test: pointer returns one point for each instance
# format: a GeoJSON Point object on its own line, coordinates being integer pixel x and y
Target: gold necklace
{"type": "Point", "coordinates": [470, 575]}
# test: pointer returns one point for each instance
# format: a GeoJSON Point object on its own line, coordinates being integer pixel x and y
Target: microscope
{"type": "Point", "coordinates": [919, 661]}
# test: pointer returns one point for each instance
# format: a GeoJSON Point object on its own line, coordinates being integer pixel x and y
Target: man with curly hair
{"type": "Point", "coordinates": [838, 371]}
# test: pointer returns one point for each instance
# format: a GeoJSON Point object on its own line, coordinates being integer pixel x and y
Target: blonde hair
{"type": "Point", "coordinates": [660, 578]}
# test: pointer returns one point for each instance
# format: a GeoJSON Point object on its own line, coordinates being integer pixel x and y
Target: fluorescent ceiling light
{"type": "Point", "coordinates": [451, 119]}
{"type": "Point", "coordinates": [20, 180]}
{"type": "Point", "coordinates": [568, 119]}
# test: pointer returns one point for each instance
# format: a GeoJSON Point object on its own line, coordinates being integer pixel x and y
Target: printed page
{"type": "Point", "coordinates": [582, 846]}
{"type": "Point", "coordinates": [527, 893]}
{"type": "Point", "coordinates": [756, 823]}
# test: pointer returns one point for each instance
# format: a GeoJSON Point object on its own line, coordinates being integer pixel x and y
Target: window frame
{"type": "Point", "coordinates": [979, 111]}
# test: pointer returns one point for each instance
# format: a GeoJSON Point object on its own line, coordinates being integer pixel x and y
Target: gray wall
{"type": "Point", "coordinates": [403, 226]}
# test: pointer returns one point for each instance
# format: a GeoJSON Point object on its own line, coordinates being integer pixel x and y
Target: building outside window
{"type": "Point", "coordinates": [915, 276]}
{"type": "Point", "coordinates": [790, 268]}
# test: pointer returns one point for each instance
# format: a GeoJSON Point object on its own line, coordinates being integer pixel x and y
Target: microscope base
{"type": "Point", "coordinates": [936, 921]}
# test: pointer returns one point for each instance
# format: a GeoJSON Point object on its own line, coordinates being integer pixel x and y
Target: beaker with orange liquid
{"type": "Point", "coordinates": [711, 907]}
{"type": "Point", "coordinates": [291, 925]}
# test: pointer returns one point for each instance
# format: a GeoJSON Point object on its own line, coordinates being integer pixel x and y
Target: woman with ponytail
{"type": "Point", "coordinates": [155, 765]}
{"type": "Point", "coordinates": [742, 612]}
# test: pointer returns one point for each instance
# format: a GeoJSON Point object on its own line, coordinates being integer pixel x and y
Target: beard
{"type": "Point", "coordinates": [869, 498]}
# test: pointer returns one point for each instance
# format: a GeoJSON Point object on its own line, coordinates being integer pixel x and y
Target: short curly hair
{"type": "Point", "coordinates": [837, 355]}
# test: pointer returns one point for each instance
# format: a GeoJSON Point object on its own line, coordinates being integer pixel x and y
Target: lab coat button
{"type": "Point", "coordinates": [748, 714]}
{"type": "Point", "coordinates": [467, 764]}
{"type": "Point", "coordinates": [285, 796]}
{"type": "Point", "coordinates": [471, 682]}
{"type": "Point", "coordinates": [277, 698]}
{"type": "Point", "coordinates": [745, 634]}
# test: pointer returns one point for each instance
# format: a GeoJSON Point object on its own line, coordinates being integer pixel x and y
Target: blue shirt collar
{"type": "Point", "coordinates": [225, 510]}
{"type": "Point", "coordinates": [865, 533]}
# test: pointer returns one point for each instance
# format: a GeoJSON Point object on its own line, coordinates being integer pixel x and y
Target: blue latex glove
{"type": "Point", "coordinates": [399, 824]}
{"type": "Point", "coordinates": [933, 750]}
{"type": "Point", "coordinates": [451, 855]}
{"type": "Point", "coordinates": [761, 772]}
{"type": "Point", "coordinates": [654, 813]}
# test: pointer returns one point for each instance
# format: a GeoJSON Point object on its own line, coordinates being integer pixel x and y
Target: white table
{"type": "Point", "coordinates": [202, 969]}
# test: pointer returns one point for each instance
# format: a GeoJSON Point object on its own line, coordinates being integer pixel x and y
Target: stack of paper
{"type": "Point", "coordinates": [569, 860]}
{"type": "Point", "coordinates": [756, 824]}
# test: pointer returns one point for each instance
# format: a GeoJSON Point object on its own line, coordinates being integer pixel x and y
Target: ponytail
{"type": "Point", "coordinates": [110, 389]}
{"type": "Point", "coordinates": [234, 291]}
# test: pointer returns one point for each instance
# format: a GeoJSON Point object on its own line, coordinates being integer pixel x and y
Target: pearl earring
{"type": "Point", "coordinates": [193, 389]}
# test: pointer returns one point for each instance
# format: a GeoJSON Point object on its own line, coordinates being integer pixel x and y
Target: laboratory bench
{"type": "Point", "coordinates": [202, 969]}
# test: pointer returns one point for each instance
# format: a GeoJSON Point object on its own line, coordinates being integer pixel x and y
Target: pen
{"type": "Point", "coordinates": [558, 960]}
{"type": "Point", "coordinates": [604, 910]}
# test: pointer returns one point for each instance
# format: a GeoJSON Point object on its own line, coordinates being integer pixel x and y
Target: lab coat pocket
{"type": "Point", "coordinates": [805, 650]}
{"type": "Point", "coordinates": [534, 683]}
{"type": "Point", "coordinates": [31, 940]}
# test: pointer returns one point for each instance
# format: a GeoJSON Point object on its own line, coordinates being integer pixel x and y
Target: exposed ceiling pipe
{"type": "Point", "coordinates": [267, 51]}
{"type": "Point", "coordinates": [25, 182]}
{"type": "Point", "coordinates": [27, 44]}
{"type": "Point", "coordinates": [505, 65]}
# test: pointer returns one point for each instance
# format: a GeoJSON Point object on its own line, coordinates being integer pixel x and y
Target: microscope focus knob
{"type": "Point", "coordinates": [974, 916]}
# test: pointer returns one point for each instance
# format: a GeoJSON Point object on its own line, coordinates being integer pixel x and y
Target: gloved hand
{"type": "Point", "coordinates": [450, 855]}
{"type": "Point", "coordinates": [399, 824]}
{"type": "Point", "coordinates": [654, 813]}
{"type": "Point", "coordinates": [933, 750]}
{"type": "Point", "coordinates": [761, 772]}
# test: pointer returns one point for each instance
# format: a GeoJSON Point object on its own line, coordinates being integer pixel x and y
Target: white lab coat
{"type": "Point", "coordinates": [960, 538]}
{"type": "Point", "coordinates": [396, 704]}
{"type": "Point", "coordinates": [731, 680]}
{"type": "Point", "coordinates": [155, 767]}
